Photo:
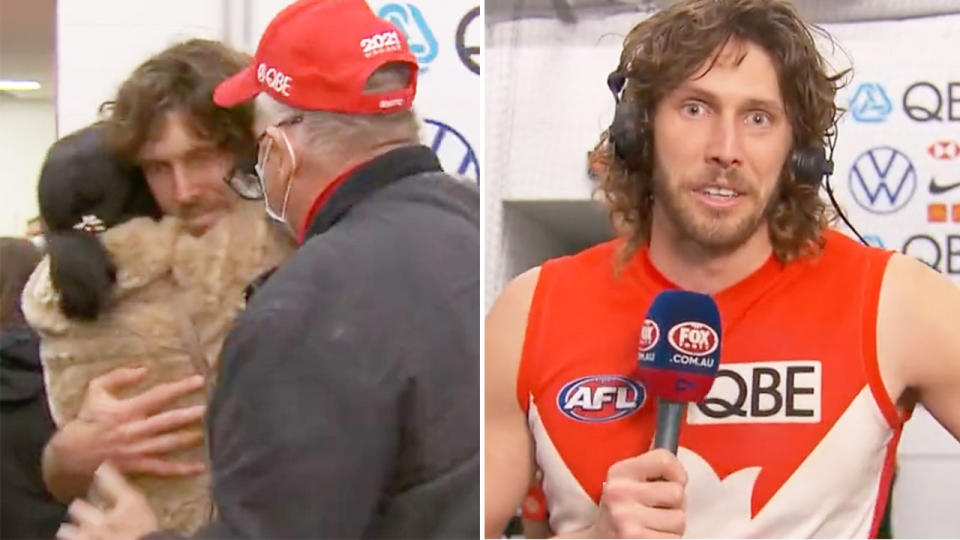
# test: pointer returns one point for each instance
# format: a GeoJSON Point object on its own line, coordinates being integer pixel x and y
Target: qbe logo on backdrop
{"type": "Point", "coordinates": [883, 180]}
{"type": "Point", "coordinates": [870, 103]}
{"type": "Point", "coordinates": [410, 20]}
{"type": "Point", "coordinates": [924, 101]}
{"type": "Point", "coordinates": [468, 53]}
{"type": "Point", "coordinates": [455, 153]}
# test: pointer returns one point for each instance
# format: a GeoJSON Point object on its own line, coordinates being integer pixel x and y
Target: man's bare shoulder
{"type": "Point", "coordinates": [518, 294]}
{"type": "Point", "coordinates": [917, 336]}
{"type": "Point", "coordinates": [506, 325]}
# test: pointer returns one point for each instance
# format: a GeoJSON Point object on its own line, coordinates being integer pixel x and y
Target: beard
{"type": "Point", "coordinates": [714, 231]}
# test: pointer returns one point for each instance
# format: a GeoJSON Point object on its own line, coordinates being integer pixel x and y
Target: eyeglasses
{"type": "Point", "coordinates": [243, 178]}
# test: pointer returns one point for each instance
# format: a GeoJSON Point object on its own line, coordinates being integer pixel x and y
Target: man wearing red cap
{"type": "Point", "coordinates": [348, 401]}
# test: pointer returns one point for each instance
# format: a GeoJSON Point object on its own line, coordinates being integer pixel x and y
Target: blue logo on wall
{"type": "Point", "coordinates": [409, 19]}
{"type": "Point", "coordinates": [875, 240]}
{"type": "Point", "coordinates": [455, 153]}
{"type": "Point", "coordinates": [870, 103]}
{"type": "Point", "coordinates": [883, 180]}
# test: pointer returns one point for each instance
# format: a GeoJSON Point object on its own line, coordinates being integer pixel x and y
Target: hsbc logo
{"type": "Point", "coordinates": [762, 393]}
{"type": "Point", "coordinates": [883, 180]}
{"type": "Point", "coordinates": [694, 338]}
{"type": "Point", "coordinates": [600, 398]}
{"type": "Point", "coordinates": [274, 79]}
{"type": "Point", "coordinates": [944, 150]}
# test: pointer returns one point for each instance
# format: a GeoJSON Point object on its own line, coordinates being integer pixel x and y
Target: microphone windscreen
{"type": "Point", "coordinates": [679, 350]}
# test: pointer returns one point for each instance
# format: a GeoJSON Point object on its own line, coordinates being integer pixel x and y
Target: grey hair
{"type": "Point", "coordinates": [333, 133]}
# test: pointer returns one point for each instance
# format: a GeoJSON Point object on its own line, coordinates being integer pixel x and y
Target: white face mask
{"type": "Point", "coordinates": [260, 169]}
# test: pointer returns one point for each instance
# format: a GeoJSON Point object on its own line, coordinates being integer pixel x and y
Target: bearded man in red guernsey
{"type": "Point", "coordinates": [713, 165]}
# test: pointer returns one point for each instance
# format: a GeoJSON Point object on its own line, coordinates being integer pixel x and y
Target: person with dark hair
{"type": "Point", "coordinates": [27, 510]}
{"type": "Point", "coordinates": [84, 190]}
{"type": "Point", "coordinates": [348, 399]}
{"type": "Point", "coordinates": [711, 169]}
{"type": "Point", "coordinates": [123, 375]}
{"type": "Point", "coordinates": [163, 298]}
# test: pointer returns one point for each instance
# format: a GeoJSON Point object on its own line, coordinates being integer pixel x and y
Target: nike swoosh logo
{"type": "Point", "coordinates": [937, 189]}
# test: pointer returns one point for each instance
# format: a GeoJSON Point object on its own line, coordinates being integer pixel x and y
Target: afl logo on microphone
{"type": "Point", "coordinates": [649, 335]}
{"type": "Point", "coordinates": [693, 338]}
{"type": "Point", "coordinates": [601, 398]}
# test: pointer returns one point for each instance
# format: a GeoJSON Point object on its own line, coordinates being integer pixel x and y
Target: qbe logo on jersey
{"type": "Point", "coordinates": [883, 180]}
{"type": "Point", "coordinates": [601, 398]}
{"type": "Point", "coordinates": [762, 393]}
{"type": "Point", "coordinates": [455, 153]}
{"type": "Point", "coordinates": [410, 20]}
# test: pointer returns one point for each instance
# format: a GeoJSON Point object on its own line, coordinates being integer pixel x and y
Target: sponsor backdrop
{"type": "Point", "coordinates": [898, 155]}
{"type": "Point", "coordinates": [100, 41]}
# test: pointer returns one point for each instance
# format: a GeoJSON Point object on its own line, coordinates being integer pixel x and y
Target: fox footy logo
{"type": "Point", "coordinates": [600, 398]}
{"type": "Point", "coordinates": [694, 338]}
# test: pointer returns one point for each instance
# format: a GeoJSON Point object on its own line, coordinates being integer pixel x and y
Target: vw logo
{"type": "Point", "coordinates": [455, 153]}
{"type": "Point", "coordinates": [883, 180]}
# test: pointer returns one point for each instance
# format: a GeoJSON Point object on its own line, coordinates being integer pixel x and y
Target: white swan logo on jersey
{"type": "Point", "coordinates": [601, 398]}
{"type": "Point", "coordinates": [762, 392]}
{"type": "Point", "coordinates": [693, 338]}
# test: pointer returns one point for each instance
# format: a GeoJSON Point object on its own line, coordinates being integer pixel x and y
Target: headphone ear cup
{"type": "Point", "coordinates": [624, 133]}
{"type": "Point", "coordinates": [809, 165]}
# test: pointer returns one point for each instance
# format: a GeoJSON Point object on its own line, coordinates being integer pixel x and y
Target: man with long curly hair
{"type": "Point", "coordinates": [828, 344]}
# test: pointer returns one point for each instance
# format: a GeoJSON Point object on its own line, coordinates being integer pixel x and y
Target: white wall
{"type": "Point", "coordinates": [27, 129]}
{"type": "Point", "coordinates": [99, 42]}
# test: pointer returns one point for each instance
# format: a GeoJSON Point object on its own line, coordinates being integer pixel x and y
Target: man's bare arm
{"type": "Point", "coordinates": [918, 339]}
{"type": "Point", "coordinates": [128, 431]}
{"type": "Point", "coordinates": [508, 446]}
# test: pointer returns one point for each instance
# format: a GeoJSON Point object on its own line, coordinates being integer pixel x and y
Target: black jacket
{"type": "Point", "coordinates": [27, 510]}
{"type": "Point", "coordinates": [348, 399]}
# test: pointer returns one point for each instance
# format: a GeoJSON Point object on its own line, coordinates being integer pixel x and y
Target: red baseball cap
{"type": "Point", "coordinates": [318, 54]}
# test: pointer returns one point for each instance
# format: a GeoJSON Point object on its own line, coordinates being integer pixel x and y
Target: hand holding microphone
{"type": "Point", "coordinates": [643, 497]}
{"type": "Point", "coordinates": [678, 357]}
{"type": "Point", "coordinates": [679, 353]}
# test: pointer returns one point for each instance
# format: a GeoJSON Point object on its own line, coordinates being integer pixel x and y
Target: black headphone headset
{"type": "Point", "coordinates": [809, 165]}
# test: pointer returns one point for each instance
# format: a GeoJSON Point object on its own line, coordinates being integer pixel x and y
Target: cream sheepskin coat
{"type": "Point", "coordinates": [175, 298]}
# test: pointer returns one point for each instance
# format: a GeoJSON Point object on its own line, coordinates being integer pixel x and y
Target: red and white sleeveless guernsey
{"type": "Point", "coordinates": [797, 437]}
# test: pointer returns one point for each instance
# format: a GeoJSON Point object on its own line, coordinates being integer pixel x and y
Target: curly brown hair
{"type": "Point", "coordinates": [672, 45]}
{"type": "Point", "coordinates": [180, 78]}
